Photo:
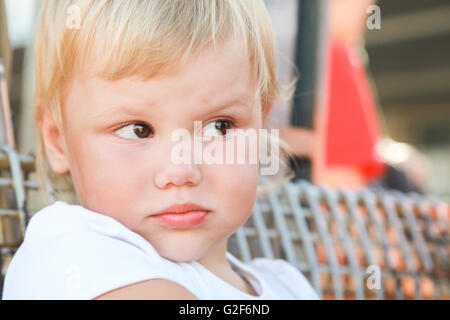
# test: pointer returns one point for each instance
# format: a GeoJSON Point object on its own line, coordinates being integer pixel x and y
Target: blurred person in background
{"type": "Point", "coordinates": [346, 147]}
{"type": "Point", "coordinates": [407, 169]}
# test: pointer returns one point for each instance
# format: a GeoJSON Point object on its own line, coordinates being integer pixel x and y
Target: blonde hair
{"type": "Point", "coordinates": [141, 38]}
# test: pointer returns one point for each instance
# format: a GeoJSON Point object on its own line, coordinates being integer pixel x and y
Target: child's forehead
{"type": "Point", "coordinates": [224, 66]}
{"type": "Point", "coordinates": [215, 76]}
{"type": "Point", "coordinates": [95, 61]}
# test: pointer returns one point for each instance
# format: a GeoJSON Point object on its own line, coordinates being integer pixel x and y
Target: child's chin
{"type": "Point", "coordinates": [183, 254]}
{"type": "Point", "coordinates": [185, 257]}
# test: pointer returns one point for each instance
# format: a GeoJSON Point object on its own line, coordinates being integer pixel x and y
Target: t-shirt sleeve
{"type": "Point", "coordinates": [102, 264]}
{"type": "Point", "coordinates": [81, 265]}
{"type": "Point", "coordinates": [287, 278]}
{"type": "Point", "coordinates": [295, 281]}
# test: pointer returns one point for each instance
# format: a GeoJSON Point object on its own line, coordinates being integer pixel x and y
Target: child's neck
{"type": "Point", "coordinates": [217, 263]}
{"type": "Point", "coordinates": [216, 260]}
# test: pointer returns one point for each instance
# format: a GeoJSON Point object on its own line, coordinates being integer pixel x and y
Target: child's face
{"type": "Point", "coordinates": [129, 176]}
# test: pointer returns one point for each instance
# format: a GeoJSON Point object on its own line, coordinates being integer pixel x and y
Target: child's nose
{"type": "Point", "coordinates": [177, 175]}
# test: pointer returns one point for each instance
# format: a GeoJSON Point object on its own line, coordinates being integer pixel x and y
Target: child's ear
{"type": "Point", "coordinates": [53, 143]}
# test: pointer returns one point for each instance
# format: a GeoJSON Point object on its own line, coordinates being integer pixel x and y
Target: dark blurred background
{"type": "Point", "coordinates": [409, 60]}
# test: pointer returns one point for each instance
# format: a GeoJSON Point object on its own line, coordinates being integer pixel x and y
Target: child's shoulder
{"type": "Point", "coordinates": [281, 272]}
{"type": "Point", "coordinates": [277, 266]}
{"type": "Point", "coordinates": [69, 252]}
{"type": "Point", "coordinates": [63, 222]}
{"type": "Point", "coordinates": [53, 220]}
{"type": "Point", "coordinates": [64, 228]}
{"type": "Point", "coordinates": [60, 217]}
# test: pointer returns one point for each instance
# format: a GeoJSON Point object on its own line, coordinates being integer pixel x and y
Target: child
{"type": "Point", "coordinates": [115, 79]}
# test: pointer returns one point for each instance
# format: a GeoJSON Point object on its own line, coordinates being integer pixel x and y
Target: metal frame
{"type": "Point", "coordinates": [334, 235]}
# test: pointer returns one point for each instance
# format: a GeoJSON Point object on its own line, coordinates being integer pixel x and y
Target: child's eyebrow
{"type": "Point", "coordinates": [239, 106]}
{"type": "Point", "coordinates": [125, 108]}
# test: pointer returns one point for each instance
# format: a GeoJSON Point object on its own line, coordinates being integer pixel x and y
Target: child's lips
{"type": "Point", "coordinates": [182, 208]}
{"type": "Point", "coordinates": [182, 220]}
{"type": "Point", "coordinates": [185, 215]}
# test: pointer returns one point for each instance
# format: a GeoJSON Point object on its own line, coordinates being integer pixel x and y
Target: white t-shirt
{"type": "Point", "coordinates": [70, 252]}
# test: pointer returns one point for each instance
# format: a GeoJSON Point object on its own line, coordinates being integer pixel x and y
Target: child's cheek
{"type": "Point", "coordinates": [105, 174]}
{"type": "Point", "coordinates": [234, 186]}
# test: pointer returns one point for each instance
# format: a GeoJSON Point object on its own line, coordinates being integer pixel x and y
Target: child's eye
{"type": "Point", "coordinates": [134, 131]}
{"type": "Point", "coordinates": [217, 128]}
